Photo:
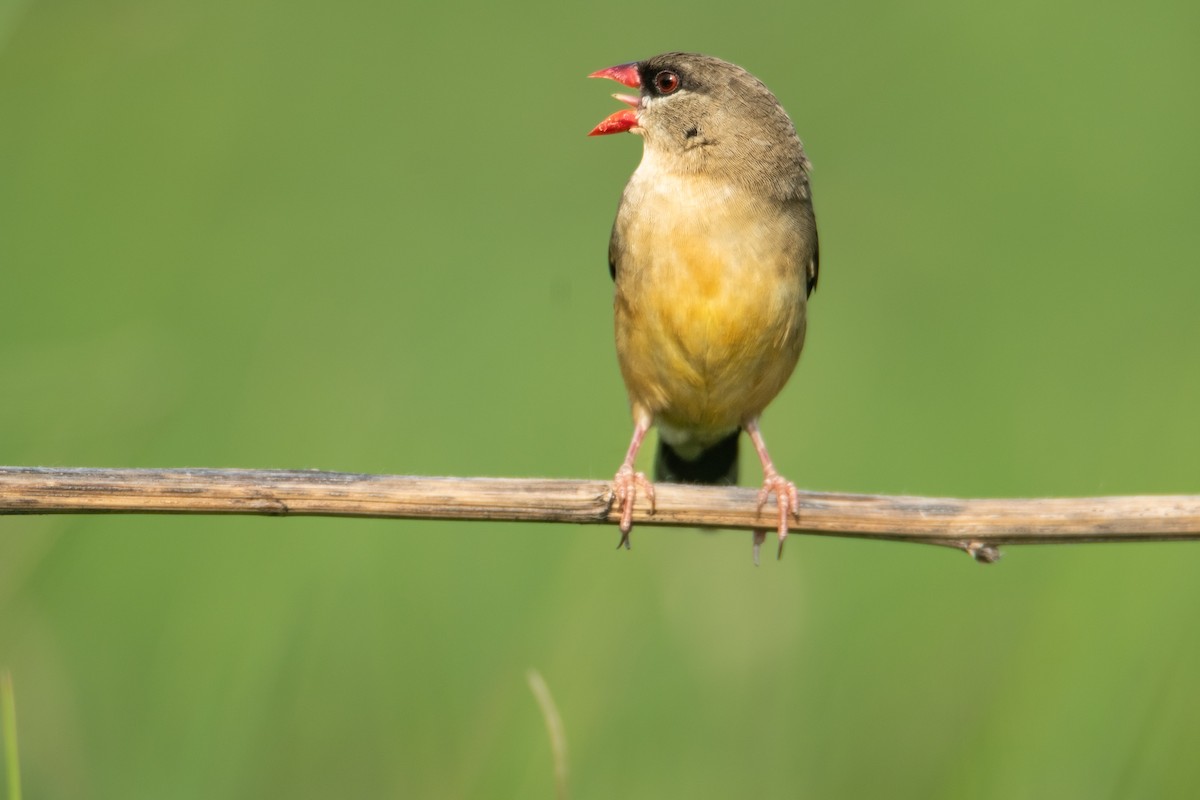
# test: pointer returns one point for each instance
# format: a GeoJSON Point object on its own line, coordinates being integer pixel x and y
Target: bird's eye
{"type": "Point", "coordinates": [666, 82]}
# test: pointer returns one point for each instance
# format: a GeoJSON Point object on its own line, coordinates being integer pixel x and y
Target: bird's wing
{"type": "Point", "coordinates": [806, 222]}
{"type": "Point", "coordinates": [814, 266]}
{"type": "Point", "coordinates": [614, 247]}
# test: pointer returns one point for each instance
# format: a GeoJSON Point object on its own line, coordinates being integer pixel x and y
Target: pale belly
{"type": "Point", "coordinates": [710, 310]}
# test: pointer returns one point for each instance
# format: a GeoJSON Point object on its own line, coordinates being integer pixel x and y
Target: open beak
{"type": "Point", "coordinates": [625, 119]}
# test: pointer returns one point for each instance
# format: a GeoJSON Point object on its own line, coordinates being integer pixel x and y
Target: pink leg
{"type": "Point", "coordinates": [626, 482]}
{"type": "Point", "coordinates": [786, 496]}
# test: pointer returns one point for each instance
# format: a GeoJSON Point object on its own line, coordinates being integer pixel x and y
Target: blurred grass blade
{"type": "Point", "coordinates": [554, 727]}
{"type": "Point", "coordinates": [8, 711]}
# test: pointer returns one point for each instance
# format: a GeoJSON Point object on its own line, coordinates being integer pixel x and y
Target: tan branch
{"type": "Point", "coordinates": [976, 526]}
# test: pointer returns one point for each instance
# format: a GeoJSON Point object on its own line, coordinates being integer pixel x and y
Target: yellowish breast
{"type": "Point", "coordinates": [710, 306]}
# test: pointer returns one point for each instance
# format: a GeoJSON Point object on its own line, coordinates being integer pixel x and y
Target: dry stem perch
{"type": "Point", "coordinates": [976, 526]}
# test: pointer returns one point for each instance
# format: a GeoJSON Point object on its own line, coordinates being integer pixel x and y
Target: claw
{"type": "Point", "coordinates": [625, 486]}
{"type": "Point", "coordinates": [785, 491]}
{"type": "Point", "coordinates": [760, 536]}
{"type": "Point", "coordinates": [787, 499]}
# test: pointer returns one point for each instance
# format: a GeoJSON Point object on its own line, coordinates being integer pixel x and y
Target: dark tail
{"type": "Point", "coordinates": [717, 465]}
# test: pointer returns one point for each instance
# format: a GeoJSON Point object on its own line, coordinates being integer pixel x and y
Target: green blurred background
{"type": "Point", "coordinates": [371, 237]}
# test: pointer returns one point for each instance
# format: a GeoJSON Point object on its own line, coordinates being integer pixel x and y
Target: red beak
{"type": "Point", "coordinates": [624, 119]}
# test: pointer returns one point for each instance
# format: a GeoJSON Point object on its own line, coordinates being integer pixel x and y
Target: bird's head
{"type": "Point", "coordinates": [680, 95]}
{"type": "Point", "coordinates": [705, 113]}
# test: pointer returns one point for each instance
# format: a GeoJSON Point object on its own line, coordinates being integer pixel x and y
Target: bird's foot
{"type": "Point", "coordinates": [625, 488]}
{"type": "Point", "coordinates": [788, 501]}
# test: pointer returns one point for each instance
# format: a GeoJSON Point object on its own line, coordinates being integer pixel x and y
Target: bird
{"type": "Point", "coordinates": [713, 255]}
